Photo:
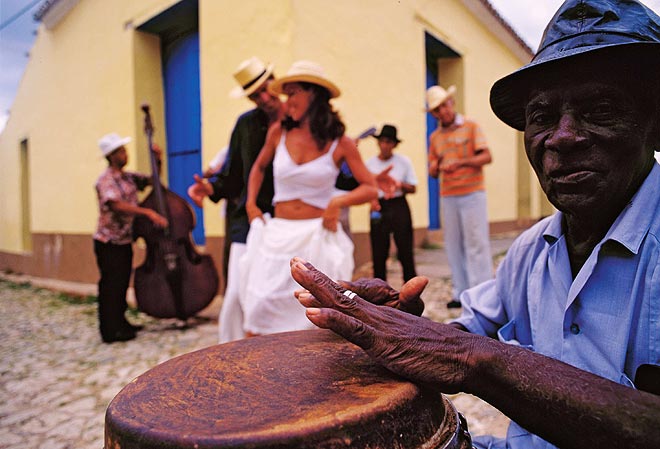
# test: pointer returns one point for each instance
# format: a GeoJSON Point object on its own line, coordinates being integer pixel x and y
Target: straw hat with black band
{"type": "Point", "coordinates": [605, 30]}
{"type": "Point", "coordinates": [250, 75]}
{"type": "Point", "coordinates": [304, 72]}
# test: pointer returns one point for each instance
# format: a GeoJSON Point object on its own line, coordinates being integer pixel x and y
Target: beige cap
{"type": "Point", "coordinates": [436, 95]}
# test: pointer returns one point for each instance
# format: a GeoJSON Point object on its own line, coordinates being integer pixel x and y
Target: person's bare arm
{"type": "Point", "coordinates": [210, 171]}
{"type": "Point", "coordinates": [480, 158]}
{"type": "Point", "coordinates": [367, 189]}
{"type": "Point", "coordinates": [407, 188]}
{"type": "Point", "coordinates": [567, 406]}
{"type": "Point", "coordinates": [363, 193]}
{"type": "Point", "coordinates": [199, 190]}
{"type": "Point", "coordinates": [129, 209]}
{"type": "Point", "coordinates": [256, 178]}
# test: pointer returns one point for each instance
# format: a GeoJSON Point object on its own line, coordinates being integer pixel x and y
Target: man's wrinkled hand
{"type": "Point", "coordinates": [379, 292]}
{"type": "Point", "coordinates": [410, 346]}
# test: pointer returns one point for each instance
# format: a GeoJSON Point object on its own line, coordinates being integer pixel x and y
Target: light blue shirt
{"type": "Point", "coordinates": [606, 320]}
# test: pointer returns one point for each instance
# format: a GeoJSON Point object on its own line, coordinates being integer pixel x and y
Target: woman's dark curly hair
{"type": "Point", "coordinates": [324, 122]}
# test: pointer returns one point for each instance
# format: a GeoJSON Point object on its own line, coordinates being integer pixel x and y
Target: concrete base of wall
{"type": "Point", "coordinates": [70, 257]}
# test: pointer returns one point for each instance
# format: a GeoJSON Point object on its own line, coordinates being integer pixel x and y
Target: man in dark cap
{"type": "Point", "coordinates": [566, 339]}
{"type": "Point", "coordinates": [390, 217]}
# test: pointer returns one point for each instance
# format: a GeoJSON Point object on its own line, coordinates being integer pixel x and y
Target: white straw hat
{"type": "Point", "coordinates": [436, 95]}
{"type": "Point", "coordinates": [250, 75]}
{"type": "Point", "coordinates": [110, 142]}
{"type": "Point", "coordinates": [306, 72]}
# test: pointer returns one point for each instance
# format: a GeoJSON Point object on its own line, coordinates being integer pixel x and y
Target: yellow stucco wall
{"type": "Point", "coordinates": [89, 75]}
{"type": "Point", "coordinates": [228, 35]}
{"type": "Point", "coordinates": [79, 84]}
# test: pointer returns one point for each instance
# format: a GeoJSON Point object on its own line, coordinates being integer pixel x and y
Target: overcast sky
{"type": "Point", "coordinates": [17, 31]}
{"type": "Point", "coordinates": [529, 17]}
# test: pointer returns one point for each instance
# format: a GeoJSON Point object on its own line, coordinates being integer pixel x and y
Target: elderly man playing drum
{"type": "Point", "coordinates": [566, 339]}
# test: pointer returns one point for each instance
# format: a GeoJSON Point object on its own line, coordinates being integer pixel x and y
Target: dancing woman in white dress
{"type": "Point", "coordinates": [306, 149]}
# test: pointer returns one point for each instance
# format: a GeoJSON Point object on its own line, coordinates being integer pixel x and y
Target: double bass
{"type": "Point", "coordinates": [175, 281]}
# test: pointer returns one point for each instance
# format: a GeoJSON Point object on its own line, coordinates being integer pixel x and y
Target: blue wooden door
{"type": "Point", "coordinates": [434, 188]}
{"type": "Point", "coordinates": [435, 50]}
{"type": "Point", "coordinates": [183, 119]}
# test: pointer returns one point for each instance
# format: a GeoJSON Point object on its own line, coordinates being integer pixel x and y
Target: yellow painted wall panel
{"type": "Point", "coordinates": [231, 32]}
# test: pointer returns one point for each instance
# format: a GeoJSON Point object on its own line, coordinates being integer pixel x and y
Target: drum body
{"type": "Point", "coordinates": [302, 390]}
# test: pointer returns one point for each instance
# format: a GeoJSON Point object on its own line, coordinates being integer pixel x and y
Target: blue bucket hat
{"type": "Point", "coordinates": [580, 30]}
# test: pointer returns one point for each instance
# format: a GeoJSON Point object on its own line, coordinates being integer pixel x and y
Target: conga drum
{"type": "Point", "coordinates": [302, 390]}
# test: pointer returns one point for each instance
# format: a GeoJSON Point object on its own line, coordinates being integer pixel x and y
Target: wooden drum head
{"type": "Point", "coordinates": [306, 389]}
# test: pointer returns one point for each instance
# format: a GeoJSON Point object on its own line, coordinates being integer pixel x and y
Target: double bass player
{"type": "Point", "coordinates": [116, 190]}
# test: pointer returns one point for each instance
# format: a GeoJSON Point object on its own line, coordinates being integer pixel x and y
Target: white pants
{"type": "Point", "coordinates": [467, 242]}
{"type": "Point", "coordinates": [230, 322]}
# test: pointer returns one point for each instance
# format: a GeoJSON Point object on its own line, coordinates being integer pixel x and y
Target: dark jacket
{"type": "Point", "coordinates": [246, 141]}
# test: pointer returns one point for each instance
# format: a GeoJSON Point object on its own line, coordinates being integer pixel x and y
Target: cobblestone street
{"type": "Point", "coordinates": [57, 378]}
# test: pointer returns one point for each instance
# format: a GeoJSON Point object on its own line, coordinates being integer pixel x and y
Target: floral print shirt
{"type": "Point", "coordinates": [114, 227]}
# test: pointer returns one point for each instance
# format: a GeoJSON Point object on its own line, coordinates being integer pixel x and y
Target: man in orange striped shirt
{"type": "Point", "coordinates": [457, 153]}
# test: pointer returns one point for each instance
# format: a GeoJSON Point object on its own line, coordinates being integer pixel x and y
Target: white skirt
{"type": "Point", "coordinates": [266, 284]}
